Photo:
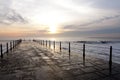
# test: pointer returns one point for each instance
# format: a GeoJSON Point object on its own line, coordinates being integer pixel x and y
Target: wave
{"type": "Point", "coordinates": [97, 42]}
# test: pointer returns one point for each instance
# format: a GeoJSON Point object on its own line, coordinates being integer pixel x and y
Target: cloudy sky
{"type": "Point", "coordinates": [59, 18]}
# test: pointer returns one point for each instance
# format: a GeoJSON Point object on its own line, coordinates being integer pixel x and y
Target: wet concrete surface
{"type": "Point", "coordinates": [31, 61]}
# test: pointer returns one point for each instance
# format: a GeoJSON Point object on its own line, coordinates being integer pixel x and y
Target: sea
{"type": "Point", "coordinates": [95, 47]}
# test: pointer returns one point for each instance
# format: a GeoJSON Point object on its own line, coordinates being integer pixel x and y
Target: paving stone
{"type": "Point", "coordinates": [76, 71]}
{"type": "Point", "coordinates": [88, 69]}
{"type": "Point", "coordinates": [90, 76]}
{"type": "Point", "coordinates": [107, 72]}
{"type": "Point", "coordinates": [107, 78]}
{"type": "Point", "coordinates": [88, 64]}
{"type": "Point", "coordinates": [100, 74]}
{"type": "Point", "coordinates": [101, 67]}
{"type": "Point", "coordinates": [117, 76]}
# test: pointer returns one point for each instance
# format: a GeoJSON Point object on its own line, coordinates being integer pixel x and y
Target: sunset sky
{"type": "Point", "coordinates": [59, 18]}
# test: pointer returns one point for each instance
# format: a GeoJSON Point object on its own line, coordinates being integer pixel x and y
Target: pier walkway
{"type": "Point", "coordinates": [30, 61]}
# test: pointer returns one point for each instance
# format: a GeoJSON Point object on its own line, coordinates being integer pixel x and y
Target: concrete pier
{"type": "Point", "coordinates": [31, 61]}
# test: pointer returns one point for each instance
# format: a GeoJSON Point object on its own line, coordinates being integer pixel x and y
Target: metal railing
{"type": "Point", "coordinates": [9, 46]}
{"type": "Point", "coordinates": [58, 45]}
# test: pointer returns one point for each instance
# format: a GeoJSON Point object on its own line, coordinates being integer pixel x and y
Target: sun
{"type": "Point", "coordinates": [52, 29]}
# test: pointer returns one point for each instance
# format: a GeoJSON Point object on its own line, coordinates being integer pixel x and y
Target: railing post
{"type": "Point", "coordinates": [54, 45]}
{"type": "Point", "coordinates": [84, 53]}
{"type": "Point", "coordinates": [69, 50]}
{"type": "Point", "coordinates": [46, 43]}
{"type": "Point", "coordinates": [13, 44]}
{"type": "Point", "coordinates": [43, 42]}
{"type": "Point", "coordinates": [10, 45]}
{"type": "Point", "coordinates": [60, 46]}
{"type": "Point", "coordinates": [1, 50]}
{"type": "Point", "coordinates": [20, 41]}
{"type": "Point", "coordinates": [7, 47]}
{"type": "Point", "coordinates": [49, 43]}
{"type": "Point", "coordinates": [40, 42]}
{"type": "Point", "coordinates": [16, 42]}
{"type": "Point", "coordinates": [110, 60]}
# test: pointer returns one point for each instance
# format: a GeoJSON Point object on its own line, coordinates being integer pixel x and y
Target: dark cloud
{"type": "Point", "coordinates": [107, 4]}
{"type": "Point", "coordinates": [84, 25]}
{"type": "Point", "coordinates": [100, 4]}
{"type": "Point", "coordinates": [12, 17]}
{"type": "Point", "coordinates": [106, 30]}
{"type": "Point", "coordinates": [100, 20]}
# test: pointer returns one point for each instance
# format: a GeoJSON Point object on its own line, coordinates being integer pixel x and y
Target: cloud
{"type": "Point", "coordinates": [107, 4]}
{"type": "Point", "coordinates": [100, 20]}
{"type": "Point", "coordinates": [12, 17]}
{"type": "Point", "coordinates": [77, 16]}
{"type": "Point", "coordinates": [107, 30]}
{"type": "Point", "coordinates": [8, 15]}
{"type": "Point", "coordinates": [100, 4]}
{"type": "Point", "coordinates": [87, 24]}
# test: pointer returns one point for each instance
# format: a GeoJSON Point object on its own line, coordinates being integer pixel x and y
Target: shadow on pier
{"type": "Point", "coordinates": [31, 61]}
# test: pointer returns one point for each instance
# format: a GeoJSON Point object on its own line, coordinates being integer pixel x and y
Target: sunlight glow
{"type": "Point", "coordinates": [52, 29]}
{"type": "Point", "coordinates": [53, 39]}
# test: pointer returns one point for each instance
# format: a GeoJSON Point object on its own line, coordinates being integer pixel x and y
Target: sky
{"type": "Point", "coordinates": [59, 18]}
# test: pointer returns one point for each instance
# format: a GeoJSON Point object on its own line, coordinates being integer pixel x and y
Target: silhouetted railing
{"type": "Point", "coordinates": [83, 49]}
{"type": "Point", "coordinates": [9, 46]}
